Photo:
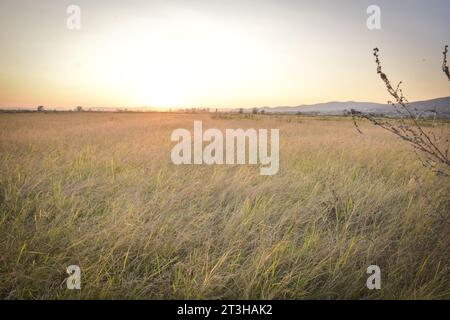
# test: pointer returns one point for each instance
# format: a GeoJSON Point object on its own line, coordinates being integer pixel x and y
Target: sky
{"type": "Point", "coordinates": [217, 54]}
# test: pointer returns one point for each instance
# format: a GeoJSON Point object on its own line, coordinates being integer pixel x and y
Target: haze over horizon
{"type": "Point", "coordinates": [217, 54]}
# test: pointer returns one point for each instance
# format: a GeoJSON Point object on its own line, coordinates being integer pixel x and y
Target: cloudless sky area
{"type": "Point", "coordinates": [211, 53]}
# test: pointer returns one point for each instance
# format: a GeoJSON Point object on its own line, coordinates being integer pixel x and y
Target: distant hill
{"type": "Point", "coordinates": [427, 108]}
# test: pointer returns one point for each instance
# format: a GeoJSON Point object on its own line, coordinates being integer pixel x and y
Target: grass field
{"type": "Point", "coordinates": [99, 190]}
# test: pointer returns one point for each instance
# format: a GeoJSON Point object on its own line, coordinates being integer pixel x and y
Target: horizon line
{"type": "Point", "coordinates": [86, 108]}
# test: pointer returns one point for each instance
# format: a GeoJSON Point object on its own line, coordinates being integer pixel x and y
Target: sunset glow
{"type": "Point", "coordinates": [214, 53]}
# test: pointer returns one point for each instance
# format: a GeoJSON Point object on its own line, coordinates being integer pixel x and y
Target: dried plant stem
{"type": "Point", "coordinates": [434, 148]}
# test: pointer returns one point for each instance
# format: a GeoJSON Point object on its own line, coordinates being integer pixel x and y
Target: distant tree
{"type": "Point", "coordinates": [40, 108]}
{"type": "Point", "coordinates": [241, 110]}
{"type": "Point", "coordinates": [79, 108]}
{"type": "Point", "coordinates": [262, 111]}
{"type": "Point", "coordinates": [255, 111]}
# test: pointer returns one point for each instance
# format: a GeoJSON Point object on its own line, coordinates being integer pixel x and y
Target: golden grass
{"type": "Point", "coordinates": [99, 190]}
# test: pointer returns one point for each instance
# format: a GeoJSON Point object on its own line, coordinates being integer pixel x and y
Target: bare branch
{"type": "Point", "coordinates": [444, 63]}
{"type": "Point", "coordinates": [433, 148]}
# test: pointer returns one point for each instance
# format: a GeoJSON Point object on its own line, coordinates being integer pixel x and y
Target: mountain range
{"type": "Point", "coordinates": [427, 108]}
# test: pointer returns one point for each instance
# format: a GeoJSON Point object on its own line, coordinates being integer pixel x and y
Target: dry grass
{"type": "Point", "coordinates": [100, 191]}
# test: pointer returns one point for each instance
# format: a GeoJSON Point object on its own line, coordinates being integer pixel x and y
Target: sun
{"type": "Point", "coordinates": [163, 96]}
